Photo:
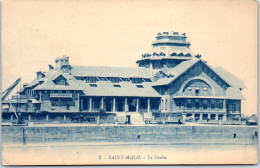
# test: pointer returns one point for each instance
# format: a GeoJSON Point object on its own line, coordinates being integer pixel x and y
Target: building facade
{"type": "Point", "coordinates": [170, 83]}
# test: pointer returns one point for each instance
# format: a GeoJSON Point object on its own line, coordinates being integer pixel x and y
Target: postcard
{"type": "Point", "coordinates": [129, 82]}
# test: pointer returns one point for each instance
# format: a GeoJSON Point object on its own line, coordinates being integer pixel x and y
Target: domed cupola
{"type": "Point", "coordinates": [168, 50]}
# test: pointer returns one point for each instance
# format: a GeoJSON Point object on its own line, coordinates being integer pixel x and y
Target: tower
{"type": "Point", "coordinates": [168, 50]}
{"type": "Point", "coordinates": [60, 61]}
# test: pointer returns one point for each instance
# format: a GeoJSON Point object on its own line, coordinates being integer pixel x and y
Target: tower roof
{"type": "Point", "coordinates": [169, 45]}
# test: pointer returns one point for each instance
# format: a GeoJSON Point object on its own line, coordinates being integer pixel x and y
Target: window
{"type": "Point", "coordinates": [114, 80]}
{"type": "Point", "coordinates": [102, 78]}
{"type": "Point", "coordinates": [91, 79]}
{"type": "Point", "coordinates": [212, 105]}
{"type": "Point", "coordinates": [233, 107]}
{"type": "Point", "coordinates": [162, 54]}
{"type": "Point", "coordinates": [125, 79]}
{"type": "Point", "coordinates": [205, 104]}
{"type": "Point", "coordinates": [197, 104]}
{"type": "Point", "coordinates": [140, 86]}
{"type": "Point", "coordinates": [179, 104]}
{"type": "Point", "coordinates": [220, 104]}
{"type": "Point", "coordinates": [93, 85]}
{"type": "Point", "coordinates": [189, 104]}
{"type": "Point", "coordinates": [136, 80]}
{"type": "Point", "coordinates": [188, 55]}
{"type": "Point", "coordinates": [181, 54]}
{"type": "Point", "coordinates": [174, 54]}
{"type": "Point", "coordinates": [61, 82]}
{"type": "Point", "coordinates": [155, 54]}
{"type": "Point", "coordinates": [197, 91]}
{"type": "Point", "coordinates": [118, 86]}
{"type": "Point", "coordinates": [147, 80]}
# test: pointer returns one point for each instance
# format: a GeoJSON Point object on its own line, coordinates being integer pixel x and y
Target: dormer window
{"type": "Point", "coordinates": [174, 54]}
{"type": "Point", "coordinates": [114, 79]}
{"type": "Point", "coordinates": [117, 86]}
{"type": "Point", "coordinates": [139, 86]}
{"type": "Point", "coordinates": [136, 80]}
{"type": "Point", "coordinates": [162, 54]}
{"type": "Point", "coordinates": [93, 85]}
{"type": "Point", "coordinates": [155, 54]}
{"type": "Point", "coordinates": [188, 55]}
{"type": "Point", "coordinates": [60, 81]}
{"type": "Point", "coordinates": [91, 79]}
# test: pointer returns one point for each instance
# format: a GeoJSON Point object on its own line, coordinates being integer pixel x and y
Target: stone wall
{"type": "Point", "coordinates": [144, 134]}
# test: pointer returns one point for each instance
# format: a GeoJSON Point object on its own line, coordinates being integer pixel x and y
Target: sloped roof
{"type": "Point", "coordinates": [50, 85]}
{"type": "Point", "coordinates": [102, 71]}
{"type": "Point", "coordinates": [176, 72]}
{"type": "Point", "coordinates": [234, 93]}
{"type": "Point", "coordinates": [106, 88]}
{"type": "Point", "coordinates": [229, 77]}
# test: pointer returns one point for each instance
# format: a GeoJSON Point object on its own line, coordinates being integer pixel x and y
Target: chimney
{"type": "Point", "coordinates": [50, 67]}
{"type": "Point", "coordinates": [40, 75]}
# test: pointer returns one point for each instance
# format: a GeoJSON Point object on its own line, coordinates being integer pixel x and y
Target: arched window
{"type": "Point", "coordinates": [197, 87]}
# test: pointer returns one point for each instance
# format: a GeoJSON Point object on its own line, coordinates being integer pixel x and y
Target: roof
{"type": "Point", "coordinates": [234, 93]}
{"type": "Point", "coordinates": [175, 72]}
{"type": "Point", "coordinates": [50, 85]}
{"type": "Point", "coordinates": [106, 88]}
{"type": "Point", "coordinates": [229, 77]}
{"type": "Point", "coordinates": [102, 71]}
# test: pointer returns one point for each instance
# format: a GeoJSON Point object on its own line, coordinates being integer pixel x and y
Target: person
{"type": "Point", "coordinates": [179, 121]}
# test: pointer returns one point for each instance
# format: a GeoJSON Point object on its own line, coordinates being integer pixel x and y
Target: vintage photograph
{"type": "Point", "coordinates": [122, 82]}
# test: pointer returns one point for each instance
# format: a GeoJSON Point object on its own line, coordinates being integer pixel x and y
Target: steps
{"type": "Point", "coordinates": [136, 119]}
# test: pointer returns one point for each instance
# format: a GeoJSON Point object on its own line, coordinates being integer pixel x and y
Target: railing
{"type": "Point", "coordinates": [61, 95]}
{"type": "Point", "coordinates": [235, 112]}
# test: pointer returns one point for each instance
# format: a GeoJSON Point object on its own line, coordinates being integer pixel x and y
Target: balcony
{"type": "Point", "coordinates": [61, 95]}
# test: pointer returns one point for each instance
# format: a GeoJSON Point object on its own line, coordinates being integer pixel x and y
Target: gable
{"type": "Point", "coordinates": [187, 67]}
{"type": "Point", "coordinates": [60, 80]}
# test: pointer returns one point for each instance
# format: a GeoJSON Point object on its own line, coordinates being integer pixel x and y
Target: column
{"type": "Point", "coordinates": [47, 117]}
{"type": "Point", "coordinates": [40, 96]}
{"type": "Point", "coordinates": [137, 105]}
{"type": "Point", "coordinates": [114, 104]}
{"type": "Point", "coordinates": [224, 117]}
{"type": "Point", "coordinates": [201, 116]}
{"type": "Point", "coordinates": [209, 116]}
{"type": "Point", "coordinates": [216, 117]}
{"type": "Point", "coordinates": [90, 104]}
{"type": "Point", "coordinates": [81, 104]}
{"type": "Point", "coordinates": [98, 120]}
{"type": "Point", "coordinates": [12, 117]}
{"type": "Point", "coordinates": [78, 102]}
{"type": "Point", "coordinates": [164, 103]}
{"type": "Point", "coordinates": [102, 103]}
{"type": "Point", "coordinates": [224, 105]}
{"type": "Point", "coordinates": [184, 117]}
{"type": "Point", "coordinates": [65, 118]}
{"type": "Point", "coordinates": [239, 119]}
{"type": "Point", "coordinates": [193, 116]}
{"type": "Point", "coordinates": [148, 105]}
{"type": "Point", "coordinates": [126, 107]}
{"type": "Point", "coordinates": [29, 117]}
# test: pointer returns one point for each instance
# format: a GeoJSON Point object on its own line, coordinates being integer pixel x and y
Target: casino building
{"type": "Point", "coordinates": [170, 83]}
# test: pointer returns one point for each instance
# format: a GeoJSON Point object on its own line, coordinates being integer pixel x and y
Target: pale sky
{"type": "Point", "coordinates": [118, 32]}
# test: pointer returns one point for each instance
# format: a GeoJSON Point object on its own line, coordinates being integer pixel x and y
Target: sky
{"type": "Point", "coordinates": [118, 32]}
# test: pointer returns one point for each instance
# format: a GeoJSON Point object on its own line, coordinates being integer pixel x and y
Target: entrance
{"type": "Point", "coordinates": [128, 121]}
